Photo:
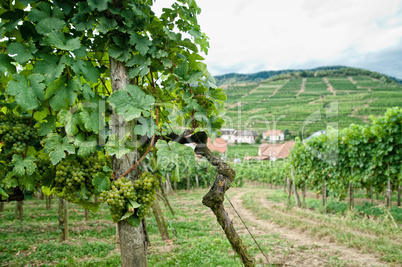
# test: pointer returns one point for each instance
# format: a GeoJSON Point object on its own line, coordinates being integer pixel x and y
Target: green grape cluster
{"type": "Point", "coordinates": [145, 189]}
{"type": "Point", "coordinates": [43, 166]}
{"type": "Point", "coordinates": [15, 132]}
{"type": "Point", "coordinates": [118, 197]}
{"type": "Point", "coordinates": [123, 191]}
{"type": "Point", "coordinates": [74, 176]}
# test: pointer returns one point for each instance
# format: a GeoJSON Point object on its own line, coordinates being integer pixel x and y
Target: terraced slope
{"type": "Point", "coordinates": [306, 105]}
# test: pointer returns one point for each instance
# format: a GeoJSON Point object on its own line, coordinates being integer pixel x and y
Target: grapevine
{"type": "Point", "coordinates": [124, 197]}
{"type": "Point", "coordinates": [74, 176]}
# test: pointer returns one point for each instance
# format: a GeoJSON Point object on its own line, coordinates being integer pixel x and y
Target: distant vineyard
{"type": "Point", "coordinates": [305, 107]}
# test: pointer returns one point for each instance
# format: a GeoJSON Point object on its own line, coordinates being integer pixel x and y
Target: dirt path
{"type": "Point", "coordinates": [329, 86]}
{"type": "Point", "coordinates": [357, 86]}
{"type": "Point", "coordinates": [302, 87]}
{"type": "Point", "coordinates": [277, 89]}
{"type": "Point", "coordinates": [300, 249]}
{"type": "Point", "coordinates": [251, 91]}
{"type": "Point", "coordinates": [365, 118]}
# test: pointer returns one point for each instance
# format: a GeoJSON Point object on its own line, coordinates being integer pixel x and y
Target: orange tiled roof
{"type": "Point", "coordinates": [273, 132]}
{"type": "Point", "coordinates": [219, 145]}
{"type": "Point", "coordinates": [276, 150]}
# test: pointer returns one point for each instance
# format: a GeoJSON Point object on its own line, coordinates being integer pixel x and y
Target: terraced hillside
{"type": "Point", "coordinates": [306, 105]}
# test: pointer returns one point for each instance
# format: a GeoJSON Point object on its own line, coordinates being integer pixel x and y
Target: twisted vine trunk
{"type": "Point", "coordinates": [132, 239]}
{"type": "Point", "coordinates": [215, 197]}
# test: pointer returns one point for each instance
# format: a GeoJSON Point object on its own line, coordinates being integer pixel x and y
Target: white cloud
{"type": "Point", "coordinates": [255, 35]}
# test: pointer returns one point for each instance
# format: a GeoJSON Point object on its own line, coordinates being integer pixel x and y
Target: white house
{"type": "Point", "coordinates": [228, 135]}
{"type": "Point", "coordinates": [274, 135]}
{"type": "Point", "coordinates": [245, 136]}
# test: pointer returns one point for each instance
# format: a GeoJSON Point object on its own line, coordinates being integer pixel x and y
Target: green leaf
{"type": "Point", "coordinates": [100, 5]}
{"type": "Point", "coordinates": [47, 127]}
{"type": "Point", "coordinates": [86, 204]}
{"type": "Point", "coordinates": [47, 191]}
{"type": "Point", "coordinates": [49, 25]}
{"type": "Point", "coordinates": [62, 93]}
{"type": "Point", "coordinates": [51, 67]}
{"type": "Point", "coordinates": [145, 127]}
{"type": "Point", "coordinates": [6, 65]}
{"type": "Point", "coordinates": [71, 121]}
{"type": "Point", "coordinates": [89, 72]}
{"type": "Point", "coordinates": [134, 220]}
{"type": "Point", "coordinates": [142, 43]}
{"type": "Point", "coordinates": [90, 118]}
{"type": "Point", "coordinates": [131, 102]}
{"type": "Point", "coordinates": [117, 147]}
{"type": "Point", "coordinates": [59, 40]}
{"type": "Point", "coordinates": [23, 166]}
{"type": "Point", "coordinates": [3, 194]}
{"type": "Point", "coordinates": [101, 182]}
{"type": "Point", "coordinates": [21, 52]}
{"type": "Point", "coordinates": [173, 153]}
{"type": "Point", "coordinates": [27, 92]}
{"type": "Point", "coordinates": [85, 145]}
{"type": "Point", "coordinates": [56, 147]}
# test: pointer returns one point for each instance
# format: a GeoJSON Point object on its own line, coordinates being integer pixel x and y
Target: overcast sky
{"type": "Point", "coordinates": [248, 36]}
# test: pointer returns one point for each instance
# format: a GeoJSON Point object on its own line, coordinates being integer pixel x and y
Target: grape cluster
{"type": "Point", "coordinates": [123, 191]}
{"type": "Point", "coordinates": [14, 133]}
{"type": "Point", "coordinates": [74, 175]}
{"type": "Point", "coordinates": [118, 197]}
{"type": "Point", "coordinates": [145, 189]}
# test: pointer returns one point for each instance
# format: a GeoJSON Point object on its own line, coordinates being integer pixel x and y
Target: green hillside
{"type": "Point", "coordinates": [308, 104]}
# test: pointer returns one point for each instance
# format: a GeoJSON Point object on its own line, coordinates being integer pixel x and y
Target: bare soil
{"type": "Point", "coordinates": [297, 248]}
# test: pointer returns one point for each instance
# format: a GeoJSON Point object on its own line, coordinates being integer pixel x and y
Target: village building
{"type": "Point", "coordinates": [274, 135]}
{"type": "Point", "coordinates": [245, 136]}
{"type": "Point", "coordinates": [219, 145]}
{"type": "Point", "coordinates": [228, 135]}
{"type": "Point", "coordinates": [275, 151]}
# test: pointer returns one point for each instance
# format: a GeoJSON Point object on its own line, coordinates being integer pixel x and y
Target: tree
{"type": "Point", "coordinates": [91, 92]}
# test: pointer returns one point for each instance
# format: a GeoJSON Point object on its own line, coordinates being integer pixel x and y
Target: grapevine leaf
{"type": "Point", "coordinates": [3, 194]}
{"type": "Point", "coordinates": [89, 72]}
{"type": "Point", "coordinates": [134, 204]}
{"type": "Point", "coordinates": [23, 164]}
{"type": "Point", "coordinates": [107, 169]}
{"type": "Point", "coordinates": [134, 220]}
{"type": "Point", "coordinates": [27, 92]}
{"type": "Point", "coordinates": [57, 147]}
{"type": "Point", "coordinates": [47, 127]}
{"type": "Point", "coordinates": [131, 102]}
{"type": "Point", "coordinates": [145, 127]}
{"type": "Point", "coordinates": [117, 147]}
{"type": "Point", "coordinates": [47, 191]}
{"type": "Point", "coordinates": [173, 153]}
{"type": "Point", "coordinates": [142, 44]}
{"type": "Point", "coordinates": [20, 50]}
{"type": "Point", "coordinates": [101, 182]}
{"type": "Point", "coordinates": [91, 206]}
{"type": "Point", "coordinates": [71, 120]}
{"type": "Point", "coordinates": [51, 67]}
{"type": "Point", "coordinates": [6, 65]}
{"type": "Point", "coordinates": [101, 5]}
{"type": "Point", "coordinates": [84, 191]}
{"type": "Point", "coordinates": [62, 93]}
{"type": "Point", "coordinates": [85, 145]}
{"type": "Point", "coordinates": [59, 40]}
{"type": "Point", "coordinates": [90, 119]}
